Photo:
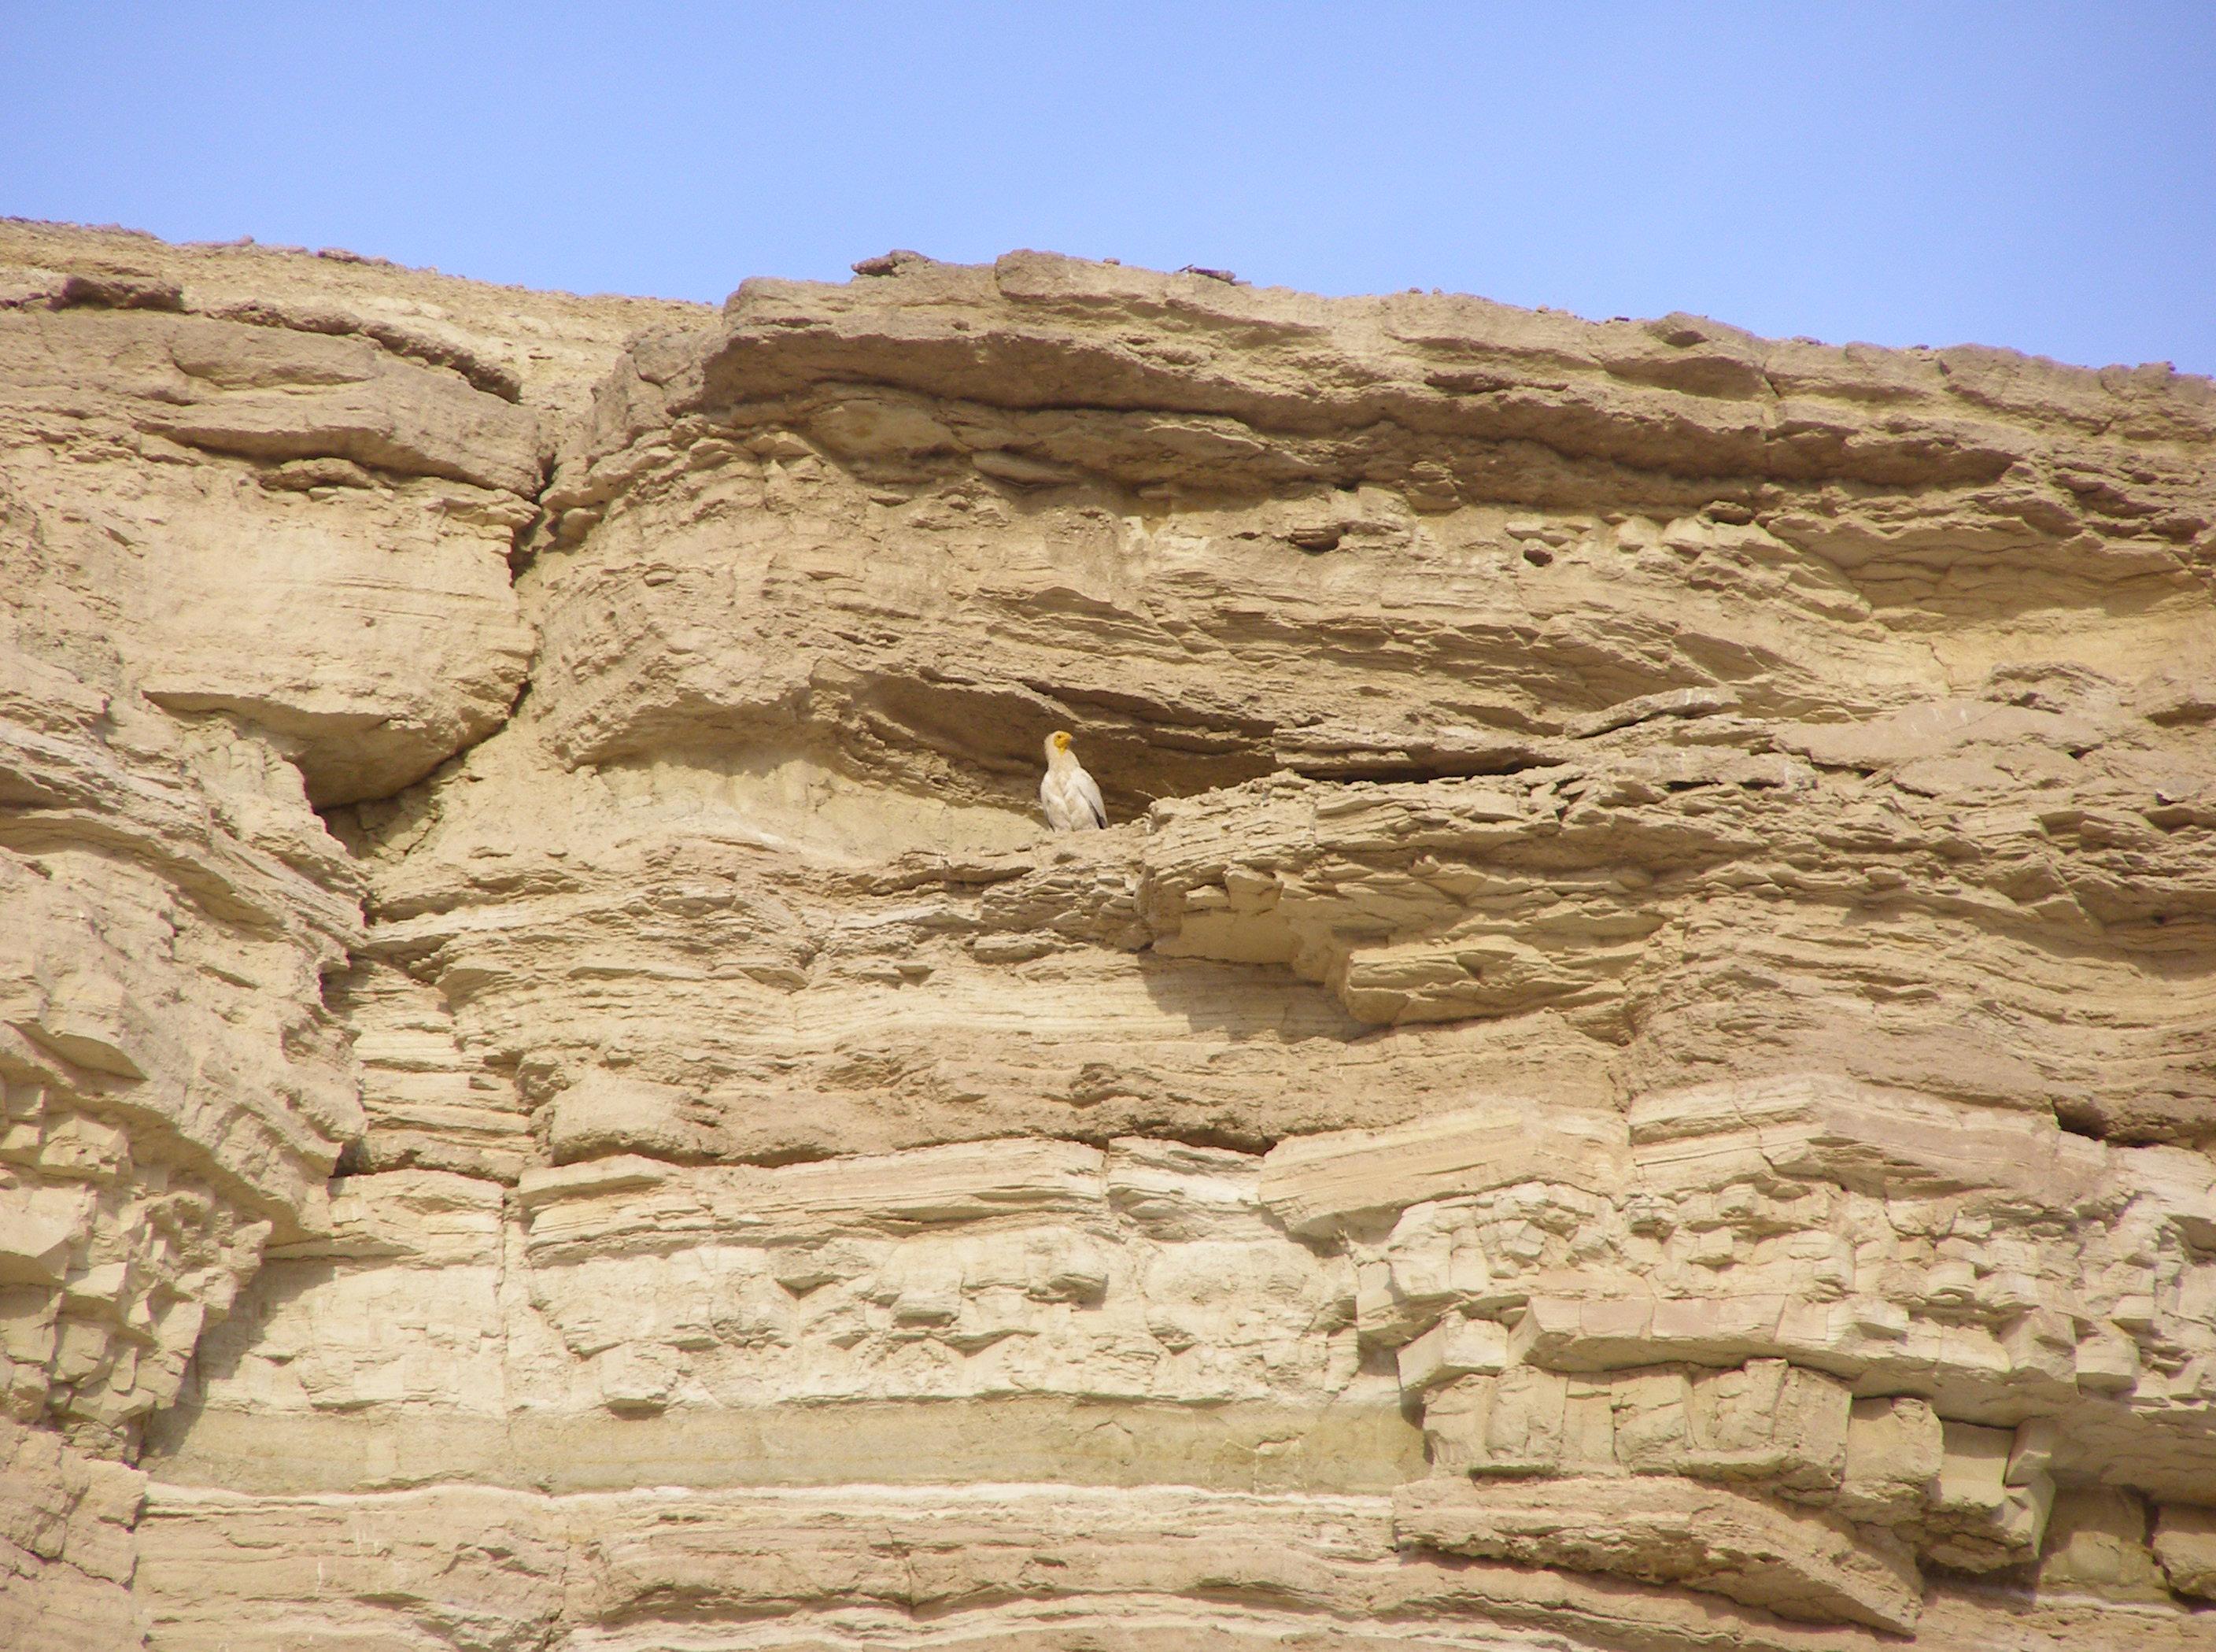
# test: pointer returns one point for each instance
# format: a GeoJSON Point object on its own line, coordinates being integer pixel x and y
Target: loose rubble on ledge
{"type": "Point", "coordinates": [1636, 1068]}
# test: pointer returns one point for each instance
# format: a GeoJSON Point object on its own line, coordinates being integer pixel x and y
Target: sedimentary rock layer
{"type": "Point", "coordinates": [1635, 1067]}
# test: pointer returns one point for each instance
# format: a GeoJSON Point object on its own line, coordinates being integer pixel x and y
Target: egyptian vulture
{"type": "Point", "coordinates": [1070, 796]}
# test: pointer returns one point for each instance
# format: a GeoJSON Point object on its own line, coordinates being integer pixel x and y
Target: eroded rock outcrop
{"type": "Point", "coordinates": [1635, 1067]}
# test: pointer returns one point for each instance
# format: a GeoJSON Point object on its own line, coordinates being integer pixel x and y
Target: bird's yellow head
{"type": "Point", "coordinates": [1058, 741]}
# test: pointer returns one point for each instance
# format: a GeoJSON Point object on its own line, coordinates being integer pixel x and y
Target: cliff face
{"type": "Point", "coordinates": [1636, 1068]}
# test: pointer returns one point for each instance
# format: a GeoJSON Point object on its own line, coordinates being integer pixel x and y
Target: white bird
{"type": "Point", "coordinates": [1070, 796]}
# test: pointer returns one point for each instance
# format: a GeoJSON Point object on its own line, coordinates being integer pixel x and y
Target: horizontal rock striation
{"type": "Point", "coordinates": [1635, 1067]}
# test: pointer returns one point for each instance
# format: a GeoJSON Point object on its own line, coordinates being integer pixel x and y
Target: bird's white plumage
{"type": "Point", "coordinates": [1070, 796]}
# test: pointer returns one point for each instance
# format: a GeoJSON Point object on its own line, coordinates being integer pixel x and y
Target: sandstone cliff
{"type": "Point", "coordinates": [1636, 1068]}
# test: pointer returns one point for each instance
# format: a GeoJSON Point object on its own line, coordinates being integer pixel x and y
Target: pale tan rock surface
{"type": "Point", "coordinates": [1635, 1067]}
{"type": "Point", "coordinates": [2185, 1547]}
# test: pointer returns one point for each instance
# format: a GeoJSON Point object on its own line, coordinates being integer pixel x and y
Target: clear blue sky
{"type": "Point", "coordinates": [2007, 171]}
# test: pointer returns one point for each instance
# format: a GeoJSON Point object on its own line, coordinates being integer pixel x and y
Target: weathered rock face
{"type": "Point", "coordinates": [1637, 1067]}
